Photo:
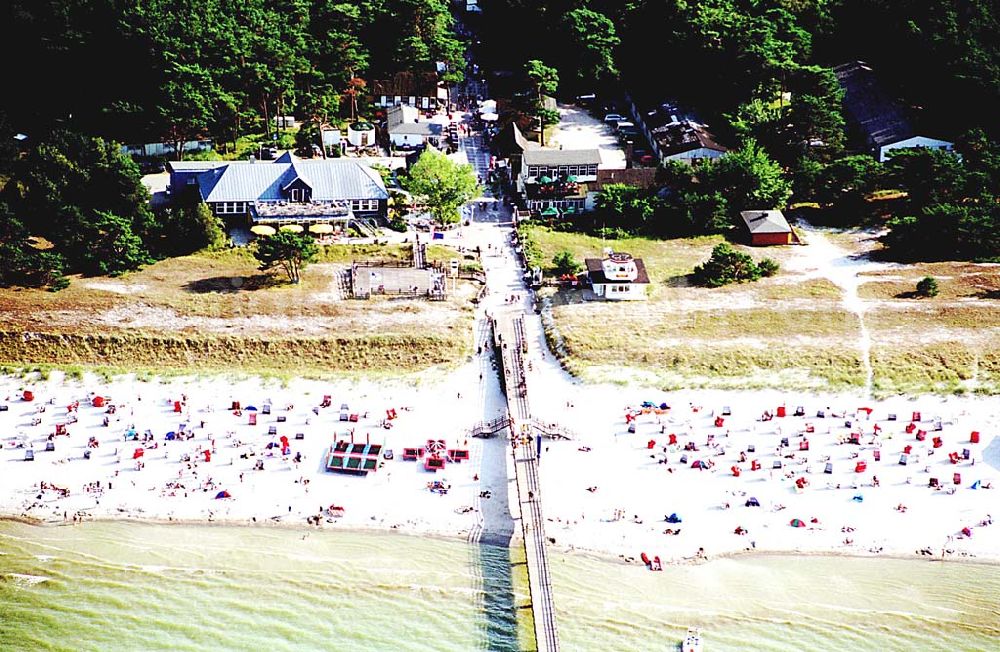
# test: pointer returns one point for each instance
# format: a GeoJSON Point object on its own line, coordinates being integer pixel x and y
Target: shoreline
{"type": "Point", "coordinates": [576, 551]}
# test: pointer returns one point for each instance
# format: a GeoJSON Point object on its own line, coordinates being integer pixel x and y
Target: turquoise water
{"type": "Point", "coordinates": [129, 586]}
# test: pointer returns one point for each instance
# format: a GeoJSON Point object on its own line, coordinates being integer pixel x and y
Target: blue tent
{"type": "Point", "coordinates": [753, 502]}
{"type": "Point", "coordinates": [171, 435]}
{"type": "Point", "coordinates": [250, 408]}
{"type": "Point", "coordinates": [223, 494]}
{"type": "Point", "coordinates": [975, 485]}
{"type": "Point", "coordinates": [858, 498]}
{"type": "Point", "coordinates": [674, 518]}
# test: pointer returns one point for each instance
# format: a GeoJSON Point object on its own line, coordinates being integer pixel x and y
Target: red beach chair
{"type": "Point", "coordinates": [974, 437]}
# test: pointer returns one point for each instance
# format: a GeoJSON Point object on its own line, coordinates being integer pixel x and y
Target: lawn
{"type": "Point", "coordinates": [216, 310]}
{"type": "Point", "coordinates": [793, 330]}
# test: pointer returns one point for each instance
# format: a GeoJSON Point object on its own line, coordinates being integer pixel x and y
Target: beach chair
{"type": "Point", "coordinates": [974, 437]}
{"type": "Point", "coordinates": [916, 417]}
{"type": "Point", "coordinates": [892, 416]}
{"type": "Point", "coordinates": [272, 430]}
{"type": "Point", "coordinates": [50, 446]}
{"type": "Point", "coordinates": [29, 455]}
{"type": "Point", "coordinates": [300, 435]}
{"type": "Point", "coordinates": [344, 416]}
{"type": "Point", "coordinates": [726, 410]}
{"type": "Point", "coordinates": [86, 455]}
{"type": "Point", "coordinates": [776, 464]}
{"type": "Point", "coordinates": [4, 408]}
{"type": "Point", "coordinates": [933, 483]}
{"type": "Point", "coordinates": [820, 414]}
{"type": "Point", "coordinates": [877, 454]}
{"type": "Point", "coordinates": [784, 442]}
{"type": "Point", "coordinates": [956, 478]}
{"type": "Point", "coordinates": [966, 453]}
{"type": "Point", "coordinates": [751, 448]}
{"type": "Point", "coordinates": [829, 468]}
{"type": "Point", "coordinates": [265, 409]}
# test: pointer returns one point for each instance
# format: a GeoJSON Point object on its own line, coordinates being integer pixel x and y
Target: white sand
{"type": "Point", "coordinates": [627, 475]}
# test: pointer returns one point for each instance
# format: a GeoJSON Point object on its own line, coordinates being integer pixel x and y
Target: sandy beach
{"type": "Point", "coordinates": [607, 491]}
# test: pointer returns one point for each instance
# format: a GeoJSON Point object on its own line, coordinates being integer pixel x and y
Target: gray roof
{"type": "Point", "coordinates": [766, 222]}
{"type": "Point", "coordinates": [418, 128]}
{"type": "Point", "coordinates": [551, 156]}
{"type": "Point", "coordinates": [870, 107]}
{"type": "Point", "coordinates": [684, 136]}
{"type": "Point", "coordinates": [330, 179]}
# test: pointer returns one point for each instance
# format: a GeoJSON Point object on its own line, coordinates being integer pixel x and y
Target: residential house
{"type": "Point", "coordinates": [288, 190]}
{"type": "Point", "coordinates": [675, 135]}
{"type": "Point", "coordinates": [406, 131]}
{"type": "Point", "coordinates": [879, 120]}
{"type": "Point", "coordinates": [417, 89]}
{"type": "Point", "coordinates": [564, 179]}
{"type": "Point", "coordinates": [768, 228]}
{"type": "Point", "coordinates": [618, 276]}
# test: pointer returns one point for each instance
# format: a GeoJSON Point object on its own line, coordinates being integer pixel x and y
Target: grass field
{"type": "Point", "coordinates": [216, 311]}
{"type": "Point", "coordinates": [794, 330]}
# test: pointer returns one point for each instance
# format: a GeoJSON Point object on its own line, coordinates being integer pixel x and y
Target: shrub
{"type": "Point", "coordinates": [727, 265]}
{"type": "Point", "coordinates": [768, 267]}
{"type": "Point", "coordinates": [564, 262]}
{"type": "Point", "coordinates": [927, 287]}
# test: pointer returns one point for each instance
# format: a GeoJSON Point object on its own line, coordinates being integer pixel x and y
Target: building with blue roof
{"type": "Point", "coordinates": [288, 190]}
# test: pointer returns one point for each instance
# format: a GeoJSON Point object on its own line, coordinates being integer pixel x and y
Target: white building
{"type": "Point", "coordinates": [618, 276]}
{"type": "Point", "coordinates": [876, 116]}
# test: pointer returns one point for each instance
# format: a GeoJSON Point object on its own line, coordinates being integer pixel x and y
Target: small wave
{"type": "Point", "coordinates": [19, 579]}
{"type": "Point", "coordinates": [45, 558]}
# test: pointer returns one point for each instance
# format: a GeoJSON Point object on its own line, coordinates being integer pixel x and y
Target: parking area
{"type": "Point", "coordinates": [578, 129]}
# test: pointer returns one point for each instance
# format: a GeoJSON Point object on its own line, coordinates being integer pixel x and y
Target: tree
{"type": "Point", "coordinates": [748, 179]}
{"type": "Point", "coordinates": [86, 197]}
{"type": "Point", "coordinates": [845, 182]}
{"type": "Point", "coordinates": [443, 184]}
{"type": "Point", "coordinates": [292, 252]}
{"type": "Point", "coordinates": [592, 40]}
{"type": "Point", "coordinates": [625, 206]}
{"type": "Point", "coordinates": [726, 265]}
{"type": "Point", "coordinates": [545, 81]}
{"type": "Point", "coordinates": [24, 264]}
{"type": "Point", "coordinates": [564, 262]}
{"type": "Point", "coordinates": [188, 226]}
{"type": "Point", "coordinates": [927, 287]}
{"type": "Point", "coordinates": [306, 138]}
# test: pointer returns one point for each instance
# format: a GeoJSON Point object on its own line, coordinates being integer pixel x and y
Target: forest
{"type": "Point", "coordinates": [88, 74]}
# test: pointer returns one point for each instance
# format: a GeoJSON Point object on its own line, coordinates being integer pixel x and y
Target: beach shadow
{"type": "Point", "coordinates": [231, 284]}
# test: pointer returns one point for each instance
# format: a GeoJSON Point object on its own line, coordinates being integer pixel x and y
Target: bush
{"type": "Point", "coordinates": [768, 267]}
{"type": "Point", "coordinates": [730, 266]}
{"type": "Point", "coordinates": [398, 224]}
{"type": "Point", "coordinates": [564, 262]}
{"type": "Point", "coordinates": [927, 287]}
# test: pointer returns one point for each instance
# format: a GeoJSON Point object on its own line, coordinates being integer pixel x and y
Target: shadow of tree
{"type": "Point", "coordinates": [680, 281]}
{"type": "Point", "coordinates": [987, 294]}
{"type": "Point", "coordinates": [232, 284]}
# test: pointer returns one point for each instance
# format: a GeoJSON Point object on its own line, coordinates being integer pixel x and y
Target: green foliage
{"type": "Point", "coordinates": [748, 179]}
{"type": "Point", "coordinates": [443, 184]}
{"type": "Point", "coordinates": [544, 80]}
{"type": "Point", "coordinates": [727, 265]}
{"type": "Point", "coordinates": [84, 196]}
{"type": "Point", "coordinates": [592, 40]}
{"type": "Point", "coordinates": [187, 227]}
{"type": "Point", "coordinates": [23, 264]}
{"type": "Point", "coordinates": [291, 252]}
{"type": "Point", "coordinates": [564, 262]}
{"type": "Point", "coordinates": [398, 224]}
{"type": "Point", "coordinates": [626, 207]}
{"type": "Point", "coordinates": [927, 287]}
{"type": "Point", "coordinates": [307, 137]}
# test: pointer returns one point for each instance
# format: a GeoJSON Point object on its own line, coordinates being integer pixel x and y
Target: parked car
{"type": "Point", "coordinates": [613, 118]}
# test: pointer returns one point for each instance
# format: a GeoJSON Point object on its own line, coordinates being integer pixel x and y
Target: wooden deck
{"type": "Point", "coordinates": [511, 346]}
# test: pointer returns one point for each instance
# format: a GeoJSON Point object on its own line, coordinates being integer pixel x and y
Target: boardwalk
{"type": "Point", "coordinates": [511, 346]}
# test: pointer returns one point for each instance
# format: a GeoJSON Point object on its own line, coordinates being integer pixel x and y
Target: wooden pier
{"type": "Point", "coordinates": [511, 346]}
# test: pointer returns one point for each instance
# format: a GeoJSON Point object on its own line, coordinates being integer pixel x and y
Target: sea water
{"type": "Point", "coordinates": [132, 586]}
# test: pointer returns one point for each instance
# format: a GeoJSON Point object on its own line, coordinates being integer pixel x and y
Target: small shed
{"type": "Point", "coordinates": [768, 228]}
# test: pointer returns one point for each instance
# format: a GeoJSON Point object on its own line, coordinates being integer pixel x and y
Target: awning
{"type": "Point", "coordinates": [544, 179]}
{"type": "Point", "coordinates": [292, 228]}
{"type": "Point", "coordinates": [489, 117]}
{"type": "Point", "coordinates": [571, 178]}
{"type": "Point", "coordinates": [320, 228]}
{"type": "Point", "coordinates": [551, 211]}
{"type": "Point", "coordinates": [262, 229]}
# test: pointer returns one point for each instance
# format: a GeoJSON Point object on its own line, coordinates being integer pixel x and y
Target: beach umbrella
{"type": "Point", "coordinates": [262, 229]}
{"type": "Point", "coordinates": [250, 408]}
{"type": "Point", "coordinates": [797, 522]}
{"type": "Point", "coordinates": [551, 211]}
{"type": "Point", "coordinates": [544, 179]}
{"type": "Point", "coordinates": [292, 228]}
{"type": "Point", "coordinates": [571, 178]}
{"type": "Point", "coordinates": [320, 228]}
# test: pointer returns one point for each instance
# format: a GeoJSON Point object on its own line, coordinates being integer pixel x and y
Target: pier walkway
{"type": "Point", "coordinates": [511, 346]}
